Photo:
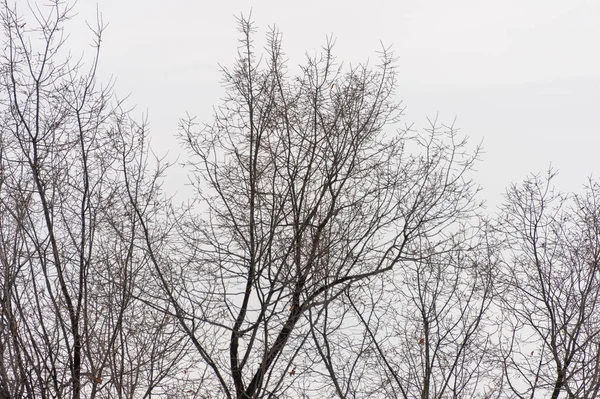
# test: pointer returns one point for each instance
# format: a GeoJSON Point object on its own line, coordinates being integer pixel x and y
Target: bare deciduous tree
{"type": "Point", "coordinates": [552, 327]}
{"type": "Point", "coordinates": [302, 195]}
{"type": "Point", "coordinates": [70, 325]}
{"type": "Point", "coordinates": [423, 332]}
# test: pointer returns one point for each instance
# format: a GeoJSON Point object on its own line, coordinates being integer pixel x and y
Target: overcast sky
{"type": "Point", "coordinates": [521, 75]}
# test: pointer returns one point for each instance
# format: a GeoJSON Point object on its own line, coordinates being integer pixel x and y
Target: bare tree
{"type": "Point", "coordinates": [424, 331]}
{"type": "Point", "coordinates": [70, 323]}
{"type": "Point", "coordinates": [551, 334]}
{"type": "Point", "coordinates": [302, 196]}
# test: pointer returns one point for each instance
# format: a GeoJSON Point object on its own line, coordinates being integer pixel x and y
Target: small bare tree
{"type": "Point", "coordinates": [302, 196]}
{"type": "Point", "coordinates": [70, 324]}
{"type": "Point", "coordinates": [552, 332]}
{"type": "Point", "coordinates": [423, 331]}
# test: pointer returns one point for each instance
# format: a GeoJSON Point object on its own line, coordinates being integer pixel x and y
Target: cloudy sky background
{"type": "Point", "coordinates": [523, 76]}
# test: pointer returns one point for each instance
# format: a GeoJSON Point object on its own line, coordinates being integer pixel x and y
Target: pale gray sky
{"type": "Point", "coordinates": [521, 75]}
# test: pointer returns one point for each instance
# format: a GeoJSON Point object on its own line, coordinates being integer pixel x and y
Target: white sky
{"type": "Point", "coordinates": [521, 75]}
